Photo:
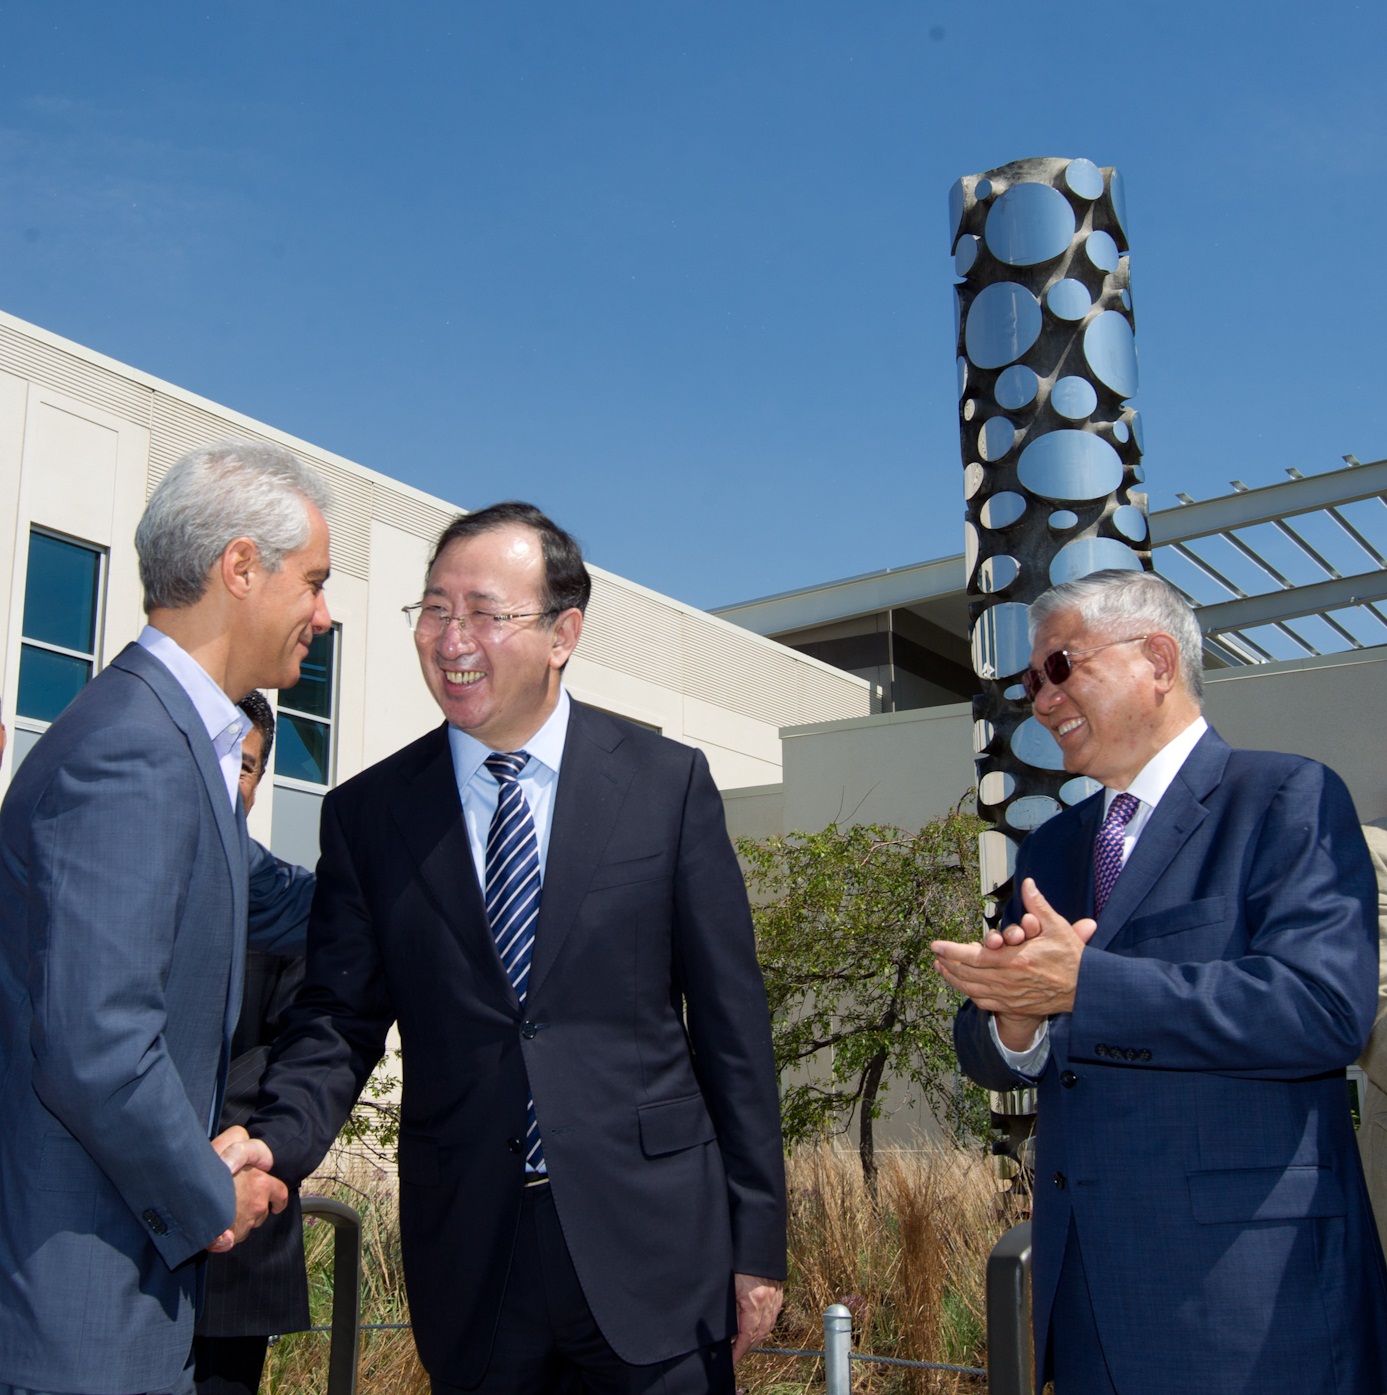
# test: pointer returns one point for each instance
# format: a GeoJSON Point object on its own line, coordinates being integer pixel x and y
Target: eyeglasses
{"type": "Point", "coordinates": [428, 621]}
{"type": "Point", "coordinates": [1058, 666]}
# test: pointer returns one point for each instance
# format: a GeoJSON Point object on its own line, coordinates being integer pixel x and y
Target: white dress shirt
{"type": "Point", "coordinates": [225, 722]}
{"type": "Point", "coordinates": [1150, 784]}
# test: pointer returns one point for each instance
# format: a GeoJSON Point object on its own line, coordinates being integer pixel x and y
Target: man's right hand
{"type": "Point", "coordinates": [257, 1193]}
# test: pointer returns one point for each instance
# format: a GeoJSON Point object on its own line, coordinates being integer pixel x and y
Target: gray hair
{"type": "Point", "coordinates": [234, 489]}
{"type": "Point", "coordinates": [1111, 600]}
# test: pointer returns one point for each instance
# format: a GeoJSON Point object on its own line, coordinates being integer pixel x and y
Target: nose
{"type": "Point", "coordinates": [322, 621]}
{"type": "Point", "coordinates": [1048, 698]}
{"type": "Point", "coordinates": [455, 638]}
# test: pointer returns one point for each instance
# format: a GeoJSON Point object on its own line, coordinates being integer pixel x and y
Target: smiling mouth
{"type": "Point", "coordinates": [462, 677]}
{"type": "Point", "coordinates": [1065, 728]}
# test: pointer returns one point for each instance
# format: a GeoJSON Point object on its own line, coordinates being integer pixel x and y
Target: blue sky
{"type": "Point", "coordinates": [678, 272]}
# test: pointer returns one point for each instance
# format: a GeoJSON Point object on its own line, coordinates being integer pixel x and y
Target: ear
{"type": "Point", "coordinates": [238, 560]}
{"type": "Point", "coordinates": [564, 637]}
{"type": "Point", "coordinates": [1164, 654]}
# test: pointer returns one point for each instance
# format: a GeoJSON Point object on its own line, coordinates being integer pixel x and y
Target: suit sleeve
{"type": "Point", "coordinates": [1374, 1058]}
{"type": "Point", "coordinates": [336, 1030]}
{"type": "Point", "coordinates": [729, 1027]}
{"type": "Point", "coordinates": [104, 904]}
{"type": "Point", "coordinates": [1295, 988]}
{"type": "Point", "coordinates": [280, 897]}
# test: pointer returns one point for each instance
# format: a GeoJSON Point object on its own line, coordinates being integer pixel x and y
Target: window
{"type": "Point", "coordinates": [62, 618]}
{"type": "Point", "coordinates": [303, 737]}
{"type": "Point", "coordinates": [305, 757]}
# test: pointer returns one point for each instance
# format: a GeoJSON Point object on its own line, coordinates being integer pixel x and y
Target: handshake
{"type": "Point", "coordinates": [257, 1193]}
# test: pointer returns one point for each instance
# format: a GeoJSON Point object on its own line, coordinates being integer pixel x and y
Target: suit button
{"type": "Point", "coordinates": [1060, 1181]}
{"type": "Point", "coordinates": [515, 1145]}
{"type": "Point", "coordinates": [1068, 1079]}
{"type": "Point", "coordinates": [155, 1222]}
{"type": "Point", "coordinates": [528, 1030]}
{"type": "Point", "coordinates": [1143, 1054]}
{"type": "Point", "coordinates": [1100, 1050]}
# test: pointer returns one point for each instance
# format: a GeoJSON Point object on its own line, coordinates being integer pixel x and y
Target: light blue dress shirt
{"type": "Point", "coordinates": [225, 722]}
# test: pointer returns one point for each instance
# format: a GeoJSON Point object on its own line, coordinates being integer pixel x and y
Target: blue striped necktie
{"type": "Point", "coordinates": [512, 895]}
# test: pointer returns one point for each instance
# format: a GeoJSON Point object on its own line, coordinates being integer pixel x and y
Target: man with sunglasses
{"type": "Point", "coordinates": [1188, 964]}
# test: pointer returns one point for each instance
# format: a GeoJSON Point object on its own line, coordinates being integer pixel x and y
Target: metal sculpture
{"type": "Point", "coordinates": [1051, 449]}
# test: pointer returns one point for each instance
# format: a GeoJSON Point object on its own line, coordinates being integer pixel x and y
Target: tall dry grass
{"type": "Point", "coordinates": [909, 1265]}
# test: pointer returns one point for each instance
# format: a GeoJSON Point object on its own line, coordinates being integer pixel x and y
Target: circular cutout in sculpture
{"type": "Point", "coordinates": [982, 189]}
{"type": "Point", "coordinates": [970, 408]}
{"type": "Point", "coordinates": [1118, 194]}
{"type": "Point", "coordinates": [1003, 322]}
{"type": "Point", "coordinates": [957, 200]}
{"type": "Point", "coordinates": [1016, 387]}
{"type": "Point", "coordinates": [966, 254]}
{"type": "Point", "coordinates": [1084, 178]}
{"type": "Point", "coordinates": [1078, 789]}
{"type": "Point", "coordinates": [996, 859]}
{"type": "Point", "coordinates": [1126, 299]}
{"type": "Point", "coordinates": [1001, 644]}
{"type": "Point", "coordinates": [1002, 510]}
{"type": "Point", "coordinates": [1130, 522]}
{"type": "Point", "coordinates": [1138, 434]}
{"type": "Point", "coordinates": [996, 438]}
{"type": "Point", "coordinates": [1121, 431]}
{"type": "Point", "coordinates": [970, 548]}
{"type": "Point", "coordinates": [1032, 811]}
{"type": "Point", "coordinates": [1015, 693]}
{"type": "Point", "coordinates": [1069, 299]}
{"type": "Point", "coordinates": [997, 573]}
{"type": "Point", "coordinates": [962, 376]}
{"type": "Point", "coordinates": [1139, 474]}
{"type": "Point", "coordinates": [1102, 251]}
{"type": "Point", "coordinates": [1111, 352]}
{"type": "Point", "coordinates": [983, 735]}
{"type": "Point", "coordinates": [1030, 742]}
{"type": "Point", "coordinates": [1067, 464]}
{"type": "Point", "coordinates": [996, 786]}
{"type": "Point", "coordinates": [1029, 224]}
{"type": "Point", "coordinates": [973, 476]}
{"type": "Point", "coordinates": [1085, 555]}
{"type": "Point", "coordinates": [1074, 397]}
{"type": "Point", "coordinates": [1062, 520]}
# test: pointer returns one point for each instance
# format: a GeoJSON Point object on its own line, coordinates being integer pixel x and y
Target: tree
{"type": "Point", "coordinates": [844, 921]}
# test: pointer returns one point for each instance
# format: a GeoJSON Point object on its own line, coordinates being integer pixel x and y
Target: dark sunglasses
{"type": "Point", "coordinates": [1057, 667]}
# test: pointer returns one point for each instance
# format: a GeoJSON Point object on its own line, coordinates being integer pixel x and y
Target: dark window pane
{"type": "Point", "coordinates": [60, 593]}
{"type": "Point", "coordinates": [313, 692]}
{"type": "Point", "coordinates": [48, 682]}
{"type": "Point", "coordinates": [301, 749]}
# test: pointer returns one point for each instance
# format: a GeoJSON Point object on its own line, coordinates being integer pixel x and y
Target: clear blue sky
{"type": "Point", "coordinates": [677, 270]}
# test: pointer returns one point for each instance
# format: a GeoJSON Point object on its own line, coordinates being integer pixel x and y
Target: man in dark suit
{"type": "Point", "coordinates": [591, 1175]}
{"type": "Point", "coordinates": [123, 902]}
{"type": "Point", "coordinates": [1188, 967]}
{"type": "Point", "coordinates": [260, 1287]}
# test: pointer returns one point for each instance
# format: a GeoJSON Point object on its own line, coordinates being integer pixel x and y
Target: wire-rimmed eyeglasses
{"type": "Point", "coordinates": [428, 621]}
{"type": "Point", "coordinates": [1056, 667]}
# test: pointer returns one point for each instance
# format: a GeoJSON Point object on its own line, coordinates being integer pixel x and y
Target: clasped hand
{"type": "Point", "coordinates": [1022, 974]}
{"type": "Point", "coordinates": [257, 1193]}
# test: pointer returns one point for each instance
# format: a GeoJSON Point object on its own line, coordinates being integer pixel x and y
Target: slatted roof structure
{"type": "Point", "coordinates": [1291, 570]}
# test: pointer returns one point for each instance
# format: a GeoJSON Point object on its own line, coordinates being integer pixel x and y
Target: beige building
{"type": "Point", "coordinates": [83, 440]}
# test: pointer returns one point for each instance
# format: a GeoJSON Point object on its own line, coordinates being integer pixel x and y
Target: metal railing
{"type": "Point", "coordinates": [344, 1339]}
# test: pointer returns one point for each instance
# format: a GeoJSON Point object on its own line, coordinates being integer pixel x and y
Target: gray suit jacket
{"type": "Point", "coordinates": [123, 891]}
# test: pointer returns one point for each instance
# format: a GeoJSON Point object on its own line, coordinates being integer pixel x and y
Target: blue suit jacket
{"type": "Point", "coordinates": [1194, 1123]}
{"type": "Point", "coordinates": [123, 902]}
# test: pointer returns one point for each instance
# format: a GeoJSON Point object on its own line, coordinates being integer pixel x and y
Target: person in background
{"type": "Point", "coordinates": [123, 898]}
{"type": "Point", "coordinates": [259, 1288]}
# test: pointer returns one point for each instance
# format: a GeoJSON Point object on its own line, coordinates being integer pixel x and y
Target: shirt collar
{"type": "Point", "coordinates": [1154, 778]}
{"type": "Point", "coordinates": [226, 724]}
{"type": "Point", "coordinates": [545, 746]}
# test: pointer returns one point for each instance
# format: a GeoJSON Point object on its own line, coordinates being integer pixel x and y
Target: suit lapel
{"type": "Point", "coordinates": [593, 781]}
{"type": "Point", "coordinates": [1174, 819]}
{"type": "Point", "coordinates": [428, 812]}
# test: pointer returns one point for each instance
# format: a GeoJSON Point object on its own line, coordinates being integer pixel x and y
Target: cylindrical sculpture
{"type": "Point", "coordinates": [1051, 449]}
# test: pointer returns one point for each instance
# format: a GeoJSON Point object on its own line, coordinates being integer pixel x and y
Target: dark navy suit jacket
{"type": "Point", "coordinates": [645, 1040]}
{"type": "Point", "coordinates": [1194, 1123]}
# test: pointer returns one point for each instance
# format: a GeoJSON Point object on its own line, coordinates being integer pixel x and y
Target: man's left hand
{"type": "Point", "coordinates": [1032, 974]}
{"type": "Point", "coordinates": [758, 1306]}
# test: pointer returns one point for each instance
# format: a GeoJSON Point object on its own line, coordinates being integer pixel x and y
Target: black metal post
{"type": "Point", "coordinates": [1010, 1361]}
{"type": "Point", "coordinates": [345, 1339]}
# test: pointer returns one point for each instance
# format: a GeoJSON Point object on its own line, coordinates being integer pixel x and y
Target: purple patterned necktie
{"type": "Point", "coordinates": [1107, 847]}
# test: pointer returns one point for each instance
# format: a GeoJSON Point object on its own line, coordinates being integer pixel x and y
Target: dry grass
{"type": "Point", "coordinates": [909, 1266]}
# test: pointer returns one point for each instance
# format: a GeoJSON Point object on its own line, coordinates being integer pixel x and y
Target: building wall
{"type": "Point", "coordinates": [83, 440]}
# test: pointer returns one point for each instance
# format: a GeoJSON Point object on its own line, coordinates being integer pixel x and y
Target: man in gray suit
{"type": "Point", "coordinates": [123, 906]}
